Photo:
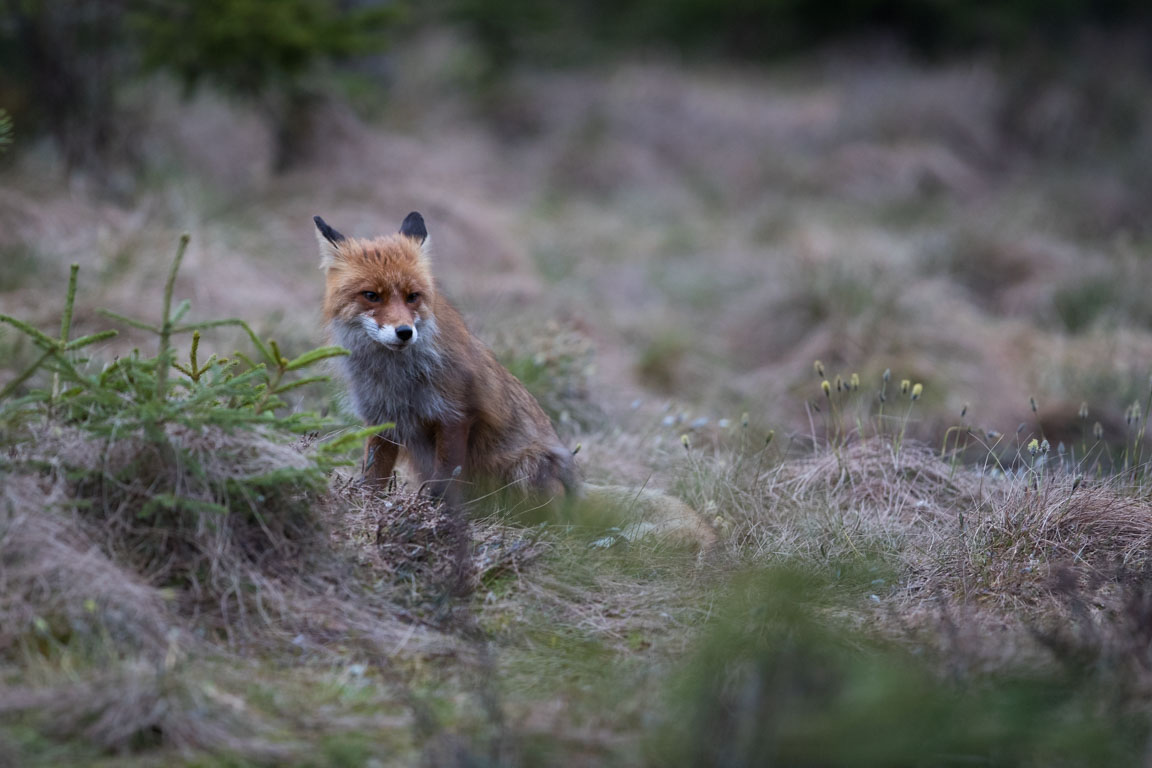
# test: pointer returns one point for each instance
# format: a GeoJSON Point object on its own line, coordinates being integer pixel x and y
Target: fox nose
{"type": "Point", "coordinates": [404, 332]}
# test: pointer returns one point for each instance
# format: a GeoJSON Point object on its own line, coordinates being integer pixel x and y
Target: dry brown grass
{"type": "Point", "coordinates": [993, 546]}
{"type": "Point", "coordinates": [407, 539]}
{"type": "Point", "coordinates": [880, 480]}
{"type": "Point", "coordinates": [141, 706]}
{"type": "Point", "coordinates": [172, 509]}
{"type": "Point", "coordinates": [108, 604]}
{"type": "Point", "coordinates": [979, 564]}
{"type": "Point", "coordinates": [57, 581]}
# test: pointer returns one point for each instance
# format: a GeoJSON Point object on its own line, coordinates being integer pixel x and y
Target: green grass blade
{"type": "Point", "coordinates": [69, 303]}
{"type": "Point", "coordinates": [181, 310]}
{"type": "Point", "coordinates": [91, 338]}
{"type": "Point", "coordinates": [232, 321]}
{"type": "Point", "coordinates": [13, 385]}
{"type": "Point", "coordinates": [42, 339]}
{"type": "Point", "coordinates": [315, 355]}
{"type": "Point", "coordinates": [300, 383]}
{"type": "Point", "coordinates": [128, 320]}
{"type": "Point", "coordinates": [344, 441]}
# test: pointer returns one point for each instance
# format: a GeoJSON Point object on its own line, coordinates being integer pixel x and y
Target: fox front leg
{"type": "Point", "coordinates": [451, 452]}
{"type": "Point", "coordinates": [379, 460]}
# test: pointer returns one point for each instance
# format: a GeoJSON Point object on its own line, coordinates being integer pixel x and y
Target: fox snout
{"type": "Point", "coordinates": [393, 336]}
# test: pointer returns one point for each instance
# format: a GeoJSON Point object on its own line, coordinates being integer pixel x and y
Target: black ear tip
{"type": "Point", "coordinates": [413, 227]}
{"type": "Point", "coordinates": [329, 234]}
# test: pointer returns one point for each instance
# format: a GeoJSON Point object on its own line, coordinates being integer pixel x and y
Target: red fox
{"type": "Point", "coordinates": [459, 416]}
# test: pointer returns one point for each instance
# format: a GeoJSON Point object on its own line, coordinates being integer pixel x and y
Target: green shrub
{"type": "Point", "coordinates": [193, 467]}
{"type": "Point", "coordinates": [139, 392]}
{"type": "Point", "coordinates": [262, 51]}
{"type": "Point", "coordinates": [248, 46]}
{"type": "Point", "coordinates": [64, 61]}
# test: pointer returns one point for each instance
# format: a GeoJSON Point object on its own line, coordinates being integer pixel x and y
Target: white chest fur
{"type": "Point", "coordinates": [394, 385]}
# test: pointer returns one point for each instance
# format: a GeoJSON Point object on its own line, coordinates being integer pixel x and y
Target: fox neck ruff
{"type": "Point", "coordinates": [395, 385]}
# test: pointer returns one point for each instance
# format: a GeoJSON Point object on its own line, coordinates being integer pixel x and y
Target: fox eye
{"type": "Point", "coordinates": [412, 297]}
{"type": "Point", "coordinates": [371, 296]}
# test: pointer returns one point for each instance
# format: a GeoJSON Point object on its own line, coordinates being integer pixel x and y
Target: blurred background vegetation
{"type": "Point", "coordinates": [982, 166]}
{"type": "Point", "coordinates": [764, 30]}
{"type": "Point", "coordinates": [65, 63]}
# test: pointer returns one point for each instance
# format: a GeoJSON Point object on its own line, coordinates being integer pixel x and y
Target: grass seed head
{"type": "Point", "coordinates": [917, 390]}
{"type": "Point", "coordinates": [1098, 431]}
{"type": "Point", "coordinates": [1032, 403]}
{"type": "Point", "coordinates": [1084, 411]}
{"type": "Point", "coordinates": [905, 386]}
{"type": "Point", "coordinates": [824, 385]}
{"type": "Point", "coordinates": [819, 368]}
{"type": "Point", "coordinates": [854, 382]}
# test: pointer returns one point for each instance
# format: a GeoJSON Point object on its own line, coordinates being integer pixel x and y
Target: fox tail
{"type": "Point", "coordinates": [648, 512]}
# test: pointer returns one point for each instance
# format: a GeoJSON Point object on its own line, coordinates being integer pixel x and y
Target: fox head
{"type": "Point", "coordinates": [382, 288]}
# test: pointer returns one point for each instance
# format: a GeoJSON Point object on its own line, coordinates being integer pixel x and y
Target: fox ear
{"type": "Point", "coordinates": [329, 240]}
{"type": "Point", "coordinates": [414, 228]}
{"type": "Point", "coordinates": [329, 234]}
